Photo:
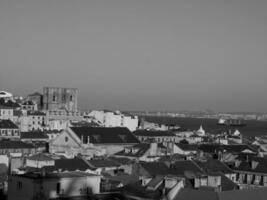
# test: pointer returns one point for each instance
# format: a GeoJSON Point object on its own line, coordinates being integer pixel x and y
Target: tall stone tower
{"type": "Point", "coordinates": [56, 98]}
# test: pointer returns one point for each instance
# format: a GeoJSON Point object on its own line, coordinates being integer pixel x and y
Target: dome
{"type": "Point", "coordinates": [4, 94]}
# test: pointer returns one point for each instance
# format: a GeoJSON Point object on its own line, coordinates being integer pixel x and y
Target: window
{"type": "Point", "coordinates": [58, 188]}
{"type": "Point", "coordinates": [70, 97]}
{"type": "Point", "coordinates": [54, 98]}
{"type": "Point", "coordinates": [66, 139]}
{"type": "Point", "coordinates": [19, 185]}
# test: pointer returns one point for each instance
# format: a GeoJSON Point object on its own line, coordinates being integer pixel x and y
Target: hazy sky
{"type": "Point", "coordinates": [139, 54]}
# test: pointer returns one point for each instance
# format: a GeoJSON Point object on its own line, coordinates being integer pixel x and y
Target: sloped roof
{"type": "Point", "coordinates": [187, 147]}
{"type": "Point", "coordinates": [227, 184]}
{"type": "Point", "coordinates": [73, 164]}
{"type": "Point", "coordinates": [8, 103]}
{"type": "Point", "coordinates": [7, 124]}
{"type": "Point", "coordinates": [5, 107]}
{"type": "Point", "coordinates": [150, 133]}
{"type": "Point", "coordinates": [184, 166]}
{"type": "Point", "coordinates": [246, 164]}
{"type": "Point", "coordinates": [33, 135]}
{"type": "Point", "coordinates": [155, 168]}
{"type": "Point", "coordinates": [103, 162]}
{"type": "Point", "coordinates": [40, 157]}
{"type": "Point", "coordinates": [245, 194]}
{"type": "Point", "coordinates": [121, 160]}
{"type": "Point", "coordinates": [141, 149]}
{"type": "Point", "coordinates": [136, 189]}
{"type": "Point", "coordinates": [155, 181]}
{"type": "Point", "coordinates": [191, 194]}
{"type": "Point", "coordinates": [138, 150]}
{"type": "Point", "coordinates": [234, 148]}
{"type": "Point", "coordinates": [103, 135]}
{"type": "Point", "coordinates": [213, 165]}
{"type": "Point", "coordinates": [10, 144]}
{"type": "Point", "coordinates": [124, 179]}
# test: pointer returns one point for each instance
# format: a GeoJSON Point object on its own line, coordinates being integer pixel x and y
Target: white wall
{"type": "Point", "coordinates": [69, 186]}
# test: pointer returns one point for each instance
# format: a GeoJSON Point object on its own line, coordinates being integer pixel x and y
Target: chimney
{"type": "Point", "coordinates": [82, 139]}
{"type": "Point", "coordinates": [153, 149]}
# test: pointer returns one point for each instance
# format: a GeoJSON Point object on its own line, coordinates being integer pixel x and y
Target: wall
{"type": "Point", "coordinates": [60, 98]}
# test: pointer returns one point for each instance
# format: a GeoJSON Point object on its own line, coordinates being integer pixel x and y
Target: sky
{"type": "Point", "coordinates": [138, 54]}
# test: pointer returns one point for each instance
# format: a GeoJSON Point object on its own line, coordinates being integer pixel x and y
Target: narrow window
{"type": "Point", "coordinates": [58, 188]}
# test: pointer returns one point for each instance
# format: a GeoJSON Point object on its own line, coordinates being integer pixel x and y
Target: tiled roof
{"type": "Point", "coordinates": [155, 181]}
{"type": "Point", "coordinates": [246, 164]}
{"type": "Point", "coordinates": [121, 161]}
{"type": "Point", "coordinates": [227, 184]}
{"type": "Point", "coordinates": [149, 133]}
{"type": "Point", "coordinates": [8, 103]}
{"type": "Point", "coordinates": [155, 168]}
{"type": "Point", "coordinates": [101, 135]}
{"type": "Point", "coordinates": [136, 189]}
{"type": "Point", "coordinates": [187, 147]}
{"type": "Point", "coordinates": [9, 144]}
{"type": "Point", "coordinates": [5, 107]}
{"type": "Point", "coordinates": [40, 157]}
{"type": "Point", "coordinates": [139, 150]}
{"type": "Point", "coordinates": [35, 112]}
{"type": "Point", "coordinates": [70, 165]}
{"type": "Point", "coordinates": [7, 124]}
{"type": "Point", "coordinates": [191, 194]}
{"type": "Point", "coordinates": [103, 162]}
{"type": "Point", "coordinates": [124, 179]}
{"type": "Point", "coordinates": [213, 148]}
{"type": "Point", "coordinates": [54, 175]}
{"type": "Point", "coordinates": [184, 167]}
{"type": "Point", "coordinates": [33, 135]}
{"type": "Point", "coordinates": [245, 194]}
{"type": "Point", "coordinates": [213, 165]}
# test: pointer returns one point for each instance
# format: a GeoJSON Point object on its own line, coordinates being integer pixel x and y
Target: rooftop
{"type": "Point", "coordinates": [7, 124]}
{"type": "Point", "coordinates": [101, 135]}
{"type": "Point", "coordinates": [54, 175]}
{"type": "Point", "coordinates": [150, 133]}
{"type": "Point", "coordinates": [33, 135]}
{"type": "Point", "coordinates": [10, 144]}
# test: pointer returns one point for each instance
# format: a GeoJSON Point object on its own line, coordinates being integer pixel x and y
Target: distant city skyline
{"type": "Point", "coordinates": [138, 55]}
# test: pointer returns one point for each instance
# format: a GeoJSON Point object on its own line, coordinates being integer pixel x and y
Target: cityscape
{"type": "Point", "coordinates": [133, 100]}
{"type": "Point", "coordinates": [51, 150]}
